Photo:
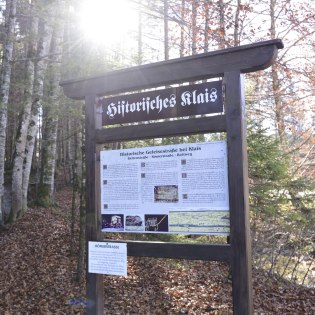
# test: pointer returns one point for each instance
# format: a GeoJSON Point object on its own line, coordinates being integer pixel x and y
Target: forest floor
{"type": "Point", "coordinates": [37, 277]}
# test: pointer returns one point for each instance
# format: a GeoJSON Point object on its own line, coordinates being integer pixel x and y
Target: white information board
{"type": "Point", "coordinates": [179, 188]}
{"type": "Point", "coordinates": [108, 258]}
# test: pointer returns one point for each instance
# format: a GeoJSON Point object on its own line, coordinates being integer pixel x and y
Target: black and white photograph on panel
{"type": "Point", "coordinates": [112, 222]}
{"type": "Point", "coordinates": [166, 193]}
{"type": "Point", "coordinates": [134, 223]}
{"type": "Point", "coordinates": [156, 222]}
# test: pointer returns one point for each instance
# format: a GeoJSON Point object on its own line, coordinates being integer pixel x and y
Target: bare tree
{"type": "Point", "coordinates": [19, 154]}
{"type": "Point", "coordinates": [35, 66]}
{"type": "Point", "coordinates": [5, 89]}
{"type": "Point", "coordinates": [50, 116]}
{"type": "Point", "coordinates": [166, 39]}
{"type": "Point", "coordinates": [45, 36]}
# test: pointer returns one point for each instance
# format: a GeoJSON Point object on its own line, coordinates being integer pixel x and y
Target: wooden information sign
{"type": "Point", "coordinates": [106, 98]}
{"type": "Point", "coordinates": [197, 99]}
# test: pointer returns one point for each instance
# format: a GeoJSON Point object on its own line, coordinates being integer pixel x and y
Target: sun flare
{"type": "Point", "coordinates": [107, 22]}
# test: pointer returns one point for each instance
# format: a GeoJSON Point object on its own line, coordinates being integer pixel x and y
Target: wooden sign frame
{"type": "Point", "coordinates": [229, 64]}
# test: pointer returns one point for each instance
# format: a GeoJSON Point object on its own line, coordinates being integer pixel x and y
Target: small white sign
{"type": "Point", "coordinates": [108, 258]}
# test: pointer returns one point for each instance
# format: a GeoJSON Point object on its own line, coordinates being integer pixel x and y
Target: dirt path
{"type": "Point", "coordinates": [37, 272]}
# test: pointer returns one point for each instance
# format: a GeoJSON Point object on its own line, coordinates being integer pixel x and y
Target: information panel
{"type": "Point", "coordinates": [176, 189]}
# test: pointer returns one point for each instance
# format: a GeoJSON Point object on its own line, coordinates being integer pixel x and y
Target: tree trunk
{"type": "Point", "coordinates": [166, 40]}
{"type": "Point", "coordinates": [221, 25]}
{"type": "Point", "coordinates": [140, 43]}
{"type": "Point", "coordinates": [82, 240]}
{"type": "Point", "coordinates": [236, 24]}
{"type": "Point", "coordinates": [182, 29]}
{"type": "Point", "coordinates": [194, 27]}
{"type": "Point", "coordinates": [276, 86]}
{"type": "Point", "coordinates": [207, 20]}
{"type": "Point", "coordinates": [5, 89]}
{"type": "Point", "coordinates": [47, 179]}
{"type": "Point", "coordinates": [40, 69]}
{"type": "Point", "coordinates": [19, 154]}
{"type": "Point", "coordinates": [76, 179]}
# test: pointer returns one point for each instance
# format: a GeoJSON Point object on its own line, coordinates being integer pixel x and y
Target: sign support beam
{"type": "Point", "coordinates": [94, 283]}
{"type": "Point", "coordinates": [238, 193]}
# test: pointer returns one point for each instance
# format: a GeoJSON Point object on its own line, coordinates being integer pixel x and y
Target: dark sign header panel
{"type": "Point", "coordinates": [181, 101]}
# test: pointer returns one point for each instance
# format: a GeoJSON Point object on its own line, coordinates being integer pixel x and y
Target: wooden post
{"type": "Point", "coordinates": [94, 283]}
{"type": "Point", "coordinates": [238, 194]}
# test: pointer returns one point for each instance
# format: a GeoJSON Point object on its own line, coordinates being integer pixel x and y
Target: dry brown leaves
{"type": "Point", "coordinates": [37, 278]}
